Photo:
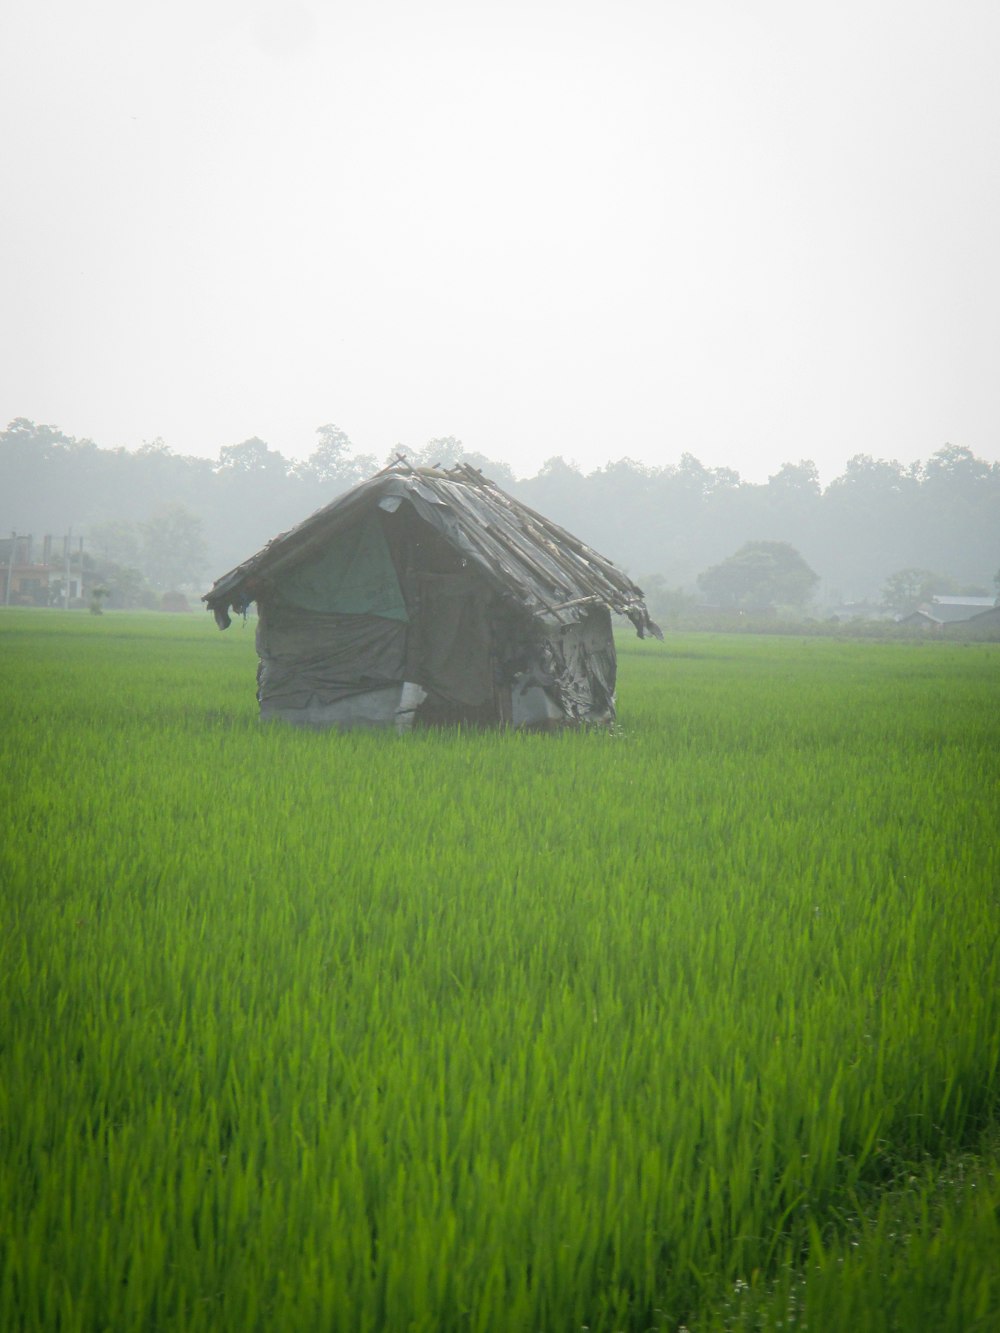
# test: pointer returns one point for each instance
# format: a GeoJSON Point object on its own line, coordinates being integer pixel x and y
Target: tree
{"type": "Point", "coordinates": [957, 466]}
{"type": "Point", "coordinates": [875, 478]}
{"type": "Point", "coordinates": [39, 441]}
{"type": "Point", "coordinates": [760, 574]}
{"type": "Point", "coordinates": [666, 605]}
{"type": "Point", "coordinates": [116, 541]}
{"type": "Point", "coordinates": [442, 451]}
{"type": "Point", "coordinates": [157, 448]}
{"type": "Point", "coordinates": [698, 482]}
{"type": "Point", "coordinates": [173, 547]}
{"type": "Point", "coordinates": [44, 476]}
{"type": "Point", "coordinates": [905, 590]}
{"type": "Point", "coordinates": [446, 450]}
{"type": "Point", "coordinates": [251, 458]}
{"type": "Point", "coordinates": [559, 490]}
{"type": "Point", "coordinates": [333, 461]}
{"type": "Point", "coordinates": [796, 481]}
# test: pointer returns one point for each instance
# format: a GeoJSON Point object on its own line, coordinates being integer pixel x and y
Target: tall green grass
{"type": "Point", "coordinates": [465, 1031]}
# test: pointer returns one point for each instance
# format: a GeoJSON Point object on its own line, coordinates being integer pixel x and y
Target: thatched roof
{"type": "Point", "coordinates": [520, 554]}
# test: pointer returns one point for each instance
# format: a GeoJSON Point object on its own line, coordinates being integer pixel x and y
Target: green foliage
{"type": "Point", "coordinates": [675, 520]}
{"type": "Point", "coordinates": [447, 450]}
{"type": "Point", "coordinates": [116, 541]}
{"type": "Point", "coordinates": [667, 606]}
{"type": "Point", "coordinates": [174, 550]}
{"type": "Point", "coordinates": [760, 574]}
{"type": "Point", "coordinates": [334, 463]}
{"type": "Point", "coordinates": [905, 590]}
{"type": "Point", "coordinates": [251, 458]}
{"type": "Point", "coordinates": [797, 481]}
{"type": "Point", "coordinates": [465, 1031]}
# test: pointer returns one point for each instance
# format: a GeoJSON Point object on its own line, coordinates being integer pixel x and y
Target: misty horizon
{"type": "Point", "coordinates": [383, 456]}
{"type": "Point", "coordinates": [189, 517]}
{"type": "Point", "coordinates": [752, 234]}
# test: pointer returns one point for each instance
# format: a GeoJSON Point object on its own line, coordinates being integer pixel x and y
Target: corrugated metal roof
{"type": "Point", "coordinates": [521, 554]}
{"type": "Point", "coordinates": [955, 611]}
{"type": "Point", "coordinates": [974, 603]}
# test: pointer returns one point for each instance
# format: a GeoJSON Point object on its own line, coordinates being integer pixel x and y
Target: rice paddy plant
{"type": "Point", "coordinates": [920, 1254]}
{"type": "Point", "coordinates": [483, 1031]}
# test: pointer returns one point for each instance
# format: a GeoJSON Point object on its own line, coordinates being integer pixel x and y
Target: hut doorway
{"type": "Point", "coordinates": [453, 650]}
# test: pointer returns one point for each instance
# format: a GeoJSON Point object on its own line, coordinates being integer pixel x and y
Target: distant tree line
{"type": "Point", "coordinates": [882, 533]}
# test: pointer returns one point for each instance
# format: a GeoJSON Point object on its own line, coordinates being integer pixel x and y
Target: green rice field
{"type": "Point", "coordinates": [691, 1026]}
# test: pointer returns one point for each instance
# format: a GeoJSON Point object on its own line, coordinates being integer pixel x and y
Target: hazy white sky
{"type": "Point", "coordinates": [758, 231]}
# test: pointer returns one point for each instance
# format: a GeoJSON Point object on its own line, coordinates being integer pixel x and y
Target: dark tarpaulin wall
{"type": "Point", "coordinates": [313, 657]}
{"type": "Point", "coordinates": [450, 644]}
{"type": "Point", "coordinates": [332, 636]}
{"type": "Point", "coordinates": [311, 663]}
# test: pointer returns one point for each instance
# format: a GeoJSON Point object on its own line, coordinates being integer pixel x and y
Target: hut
{"type": "Point", "coordinates": [428, 596]}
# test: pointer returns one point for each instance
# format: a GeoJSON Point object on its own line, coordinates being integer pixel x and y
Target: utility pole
{"type": "Point", "coordinates": [66, 570]}
{"type": "Point", "coordinates": [10, 567]}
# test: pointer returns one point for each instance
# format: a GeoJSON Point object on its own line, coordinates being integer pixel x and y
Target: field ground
{"type": "Point", "coordinates": [694, 1026]}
